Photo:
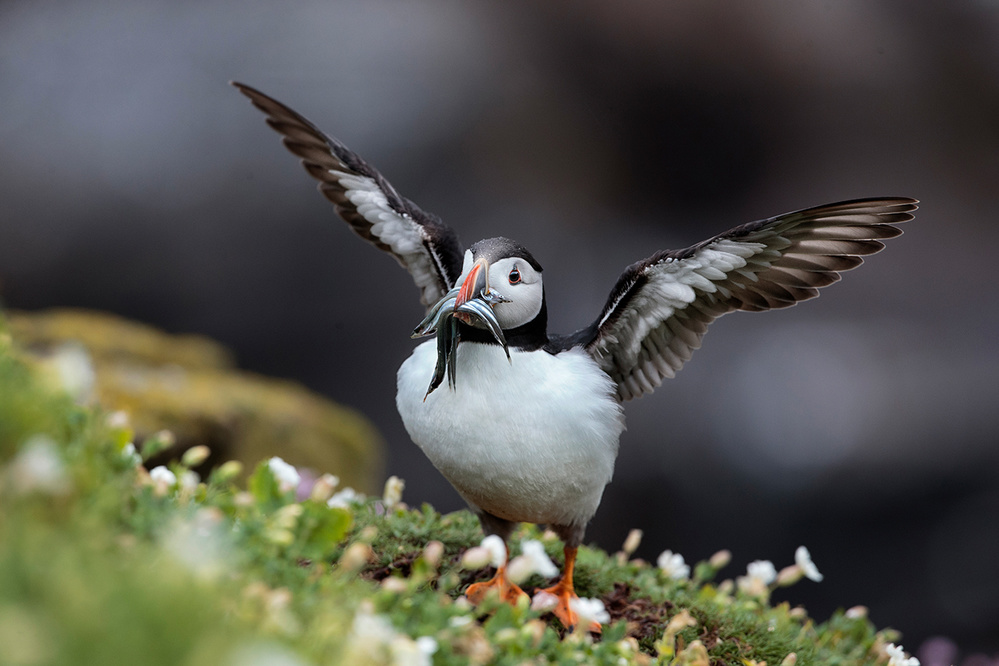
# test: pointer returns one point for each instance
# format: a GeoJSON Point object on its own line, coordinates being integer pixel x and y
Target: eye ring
{"type": "Point", "coordinates": [514, 276]}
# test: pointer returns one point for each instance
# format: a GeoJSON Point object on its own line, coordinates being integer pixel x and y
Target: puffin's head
{"type": "Point", "coordinates": [497, 299]}
{"type": "Point", "coordinates": [504, 268]}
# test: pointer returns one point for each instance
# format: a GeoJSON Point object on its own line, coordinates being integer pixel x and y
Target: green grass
{"type": "Point", "coordinates": [101, 564]}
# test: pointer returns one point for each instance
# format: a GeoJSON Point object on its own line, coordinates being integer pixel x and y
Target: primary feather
{"type": "Point", "coordinates": [661, 306]}
{"type": "Point", "coordinates": [418, 240]}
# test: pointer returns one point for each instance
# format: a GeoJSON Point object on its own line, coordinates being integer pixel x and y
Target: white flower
{"type": "Point", "coordinates": [589, 611]}
{"type": "Point", "coordinates": [189, 480]}
{"type": "Point", "coordinates": [202, 544]}
{"type": "Point", "coordinates": [392, 494]}
{"type": "Point", "coordinates": [428, 644]}
{"type": "Point", "coordinates": [369, 637]}
{"type": "Point", "coordinates": [162, 476]}
{"type": "Point", "coordinates": [459, 621]}
{"type": "Point", "coordinates": [38, 466]}
{"type": "Point", "coordinates": [344, 498]}
{"type": "Point", "coordinates": [759, 575]}
{"type": "Point", "coordinates": [804, 560]}
{"type": "Point", "coordinates": [286, 475]}
{"type": "Point", "coordinates": [129, 453]}
{"type": "Point", "coordinates": [896, 656]}
{"type": "Point", "coordinates": [497, 550]}
{"type": "Point", "coordinates": [534, 560]}
{"type": "Point", "coordinates": [373, 640]}
{"type": "Point", "coordinates": [672, 565]}
{"type": "Point", "coordinates": [762, 570]}
{"type": "Point", "coordinates": [407, 652]}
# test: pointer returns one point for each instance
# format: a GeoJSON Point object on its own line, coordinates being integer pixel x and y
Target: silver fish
{"type": "Point", "coordinates": [442, 319]}
{"type": "Point", "coordinates": [442, 307]}
{"type": "Point", "coordinates": [485, 315]}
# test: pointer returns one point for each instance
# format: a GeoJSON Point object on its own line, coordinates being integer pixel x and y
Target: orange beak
{"type": "Point", "coordinates": [475, 284]}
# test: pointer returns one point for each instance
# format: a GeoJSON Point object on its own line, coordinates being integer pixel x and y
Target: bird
{"type": "Point", "coordinates": [527, 428]}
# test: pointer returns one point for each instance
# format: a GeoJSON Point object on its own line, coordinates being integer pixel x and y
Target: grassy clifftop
{"type": "Point", "coordinates": [103, 560]}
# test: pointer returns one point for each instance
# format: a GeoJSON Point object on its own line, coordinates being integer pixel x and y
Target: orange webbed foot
{"type": "Point", "coordinates": [564, 594]}
{"type": "Point", "coordinates": [508, 591]}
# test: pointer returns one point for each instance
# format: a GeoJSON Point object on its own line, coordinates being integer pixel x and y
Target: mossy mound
{"type": "Point", "coordinates": [190, 386]}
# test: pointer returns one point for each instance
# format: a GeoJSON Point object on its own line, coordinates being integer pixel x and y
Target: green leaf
{"type": "Point", "coordinates": [264, 487]}
{"type": "Point", "coordinates": [323, 528]}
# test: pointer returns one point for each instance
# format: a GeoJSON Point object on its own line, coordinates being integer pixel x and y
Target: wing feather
{"type": "Point", "coordinates": [660, 309]}
{"type": "Point", "coordinates": [418, 240]}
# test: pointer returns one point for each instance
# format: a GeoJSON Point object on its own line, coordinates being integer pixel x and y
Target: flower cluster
{"type": "Point", "coordinates": [761, 575]}
{"type": "Point", "coordinates": [493, 551]}
{"type": "Point", "coordinates": [896, 656]}
{"type": "Point", "coordinates": [673, 566]}
{"type": "Point", "coordinates": [373, 640]}
{"type": "Point", "coordinates": [285, 474]}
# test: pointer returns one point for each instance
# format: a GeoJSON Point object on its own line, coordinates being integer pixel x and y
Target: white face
{"type": "Point", "coordinates": [517, 281]}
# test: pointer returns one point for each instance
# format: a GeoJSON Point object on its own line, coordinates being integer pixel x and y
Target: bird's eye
{"type": "Point", "coordinates": [514, 276]}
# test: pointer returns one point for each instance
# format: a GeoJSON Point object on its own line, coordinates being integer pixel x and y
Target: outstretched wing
{"type": "Point", "coordinates": [419, 241]}
{"type": "Point", "coordinates": [661, 307]}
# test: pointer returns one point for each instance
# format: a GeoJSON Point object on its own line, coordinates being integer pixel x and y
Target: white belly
{"type": "Point", "coordinates": [533, 439]}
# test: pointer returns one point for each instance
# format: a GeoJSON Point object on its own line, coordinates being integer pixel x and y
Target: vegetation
{"type": "Point", "coordinates": [102, 561]}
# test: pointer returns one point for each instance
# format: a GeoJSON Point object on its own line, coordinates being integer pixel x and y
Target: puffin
{"type": "Point", "coordinates": [527, 427]}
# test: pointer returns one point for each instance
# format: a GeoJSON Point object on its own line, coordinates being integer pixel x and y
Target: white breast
{"type": "Point", "coordinates": [533, 439]}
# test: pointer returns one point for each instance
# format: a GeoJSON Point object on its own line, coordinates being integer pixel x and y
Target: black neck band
{"type": "Point", "coordinates": [528, 337]}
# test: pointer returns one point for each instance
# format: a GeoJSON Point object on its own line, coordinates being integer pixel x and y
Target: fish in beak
{"type": "Point", "coordinates": [470, 303]}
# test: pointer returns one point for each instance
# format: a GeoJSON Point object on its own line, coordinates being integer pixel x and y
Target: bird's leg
{"type": "Point", "coordinates": [563, 591]}
{"type": "Point", "coordinates": [508, 591]}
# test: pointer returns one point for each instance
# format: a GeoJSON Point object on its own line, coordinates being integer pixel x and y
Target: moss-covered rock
{"type": "Point", "coordinates": [189, 385]}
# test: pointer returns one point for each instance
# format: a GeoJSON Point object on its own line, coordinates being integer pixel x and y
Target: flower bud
{"type": "Point", "coordinates": [392, 494]}
{"type": "Point", "coordinates": [156, 443]}
{"type": "Point", "coordinates": [789, 575]}
{"type": "Point", "coordinates": [720, 559]}
{"type": "Point", "coordinates": [195, 455]}
{"type": "Point", "coordinates": [519, 569]}
{"type": "Point", "coordinates": [632, 542]}
{"type": "Point", "coordinates": [395, 585]}
{"type": "Point", "coordinates": [432, 553]}
{"type": "Point", "coordinates": [356, 556]}
{"type": "Point", "coordinates": [323, 488]}
{"type": "Point", "coordinates": [476, 557]}
{"type": "Point", "coordinates": [857, 612]}
{"type": "Point", "coordinates": [228, 471]}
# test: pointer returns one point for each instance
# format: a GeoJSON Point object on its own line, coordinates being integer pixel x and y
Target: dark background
{"type": "Point", "coordinates": [863, 425]}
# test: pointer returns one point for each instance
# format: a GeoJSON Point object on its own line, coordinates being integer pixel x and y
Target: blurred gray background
{"type": "Point", "coordinates": [863, 425]}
